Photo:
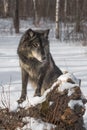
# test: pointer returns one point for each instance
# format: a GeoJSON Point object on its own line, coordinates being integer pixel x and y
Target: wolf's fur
{"type": "Point", "coordinates": [36, 62]}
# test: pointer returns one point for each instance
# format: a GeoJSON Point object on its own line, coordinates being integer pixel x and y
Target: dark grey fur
{"type": "Point", "coordinates": [37, 64]}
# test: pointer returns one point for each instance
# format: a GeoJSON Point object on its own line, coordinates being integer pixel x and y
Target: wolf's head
{"type": "Point", "coordinates": [35, 44]}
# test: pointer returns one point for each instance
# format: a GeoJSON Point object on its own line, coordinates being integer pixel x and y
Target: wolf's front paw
{"type": "Point", "coordinates": [21, 100]}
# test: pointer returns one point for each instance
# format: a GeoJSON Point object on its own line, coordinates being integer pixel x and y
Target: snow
{"type": "Point", "coordinates": [36, 125]}
{"type": "Point", "coordinates": [62, 85]}
{"type": "Point", "coordinates": [33, 101]}
{"type": "Point", "coordinates": [66, 85]}
{"type": "Point", "coordinates": [71, 57]}
{"type": "Point", "coordinates": [72, 103]}
{"type": "Point", "coordinates": [67, 76]}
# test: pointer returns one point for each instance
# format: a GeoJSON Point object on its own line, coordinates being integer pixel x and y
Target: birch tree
{"type": "Point", "coordinates": [36, 17]}
{"type": "Point", "coordinates": [57, 19]}
{"type": "Point", "coordinates": [5, 3]}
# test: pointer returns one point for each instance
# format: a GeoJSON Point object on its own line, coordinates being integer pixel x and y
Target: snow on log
{"type": "Point", "coordinates": [62, 105]}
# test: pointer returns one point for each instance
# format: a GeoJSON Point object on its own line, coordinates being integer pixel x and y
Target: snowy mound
{"type": "Point", "coordinates": [62, 105]}
{"type": "Point", "coordinates": [65, 82]}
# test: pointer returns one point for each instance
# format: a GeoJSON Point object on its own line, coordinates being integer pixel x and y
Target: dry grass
{"type": "Point", "coordinates": [9, 120]}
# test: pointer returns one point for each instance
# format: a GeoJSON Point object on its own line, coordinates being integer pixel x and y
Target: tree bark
{"type": "Point", "coordinates": [25, 11]}
{"type": "Point", "coordinates": [5, 3]}
{"type": "Point", "coordinates": [78, 17]}
{"type": "Point", "coordinates": [57, 19]}
{"type": "Point", "coordinates": [65, 11]}
{"type": "Point", "coordinates": [16, 16]}
{"type": "Point", "coordinates": [36, 17]}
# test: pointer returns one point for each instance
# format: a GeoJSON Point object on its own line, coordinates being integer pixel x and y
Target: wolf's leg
{"type": "Point", "coordinates": [24, 85]}
{"type": "Point", "coordinates": [39, 85]}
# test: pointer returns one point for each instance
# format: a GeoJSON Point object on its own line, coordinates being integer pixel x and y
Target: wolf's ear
{"type": "Point", "coordinates": [46, 33]}
{"type": "Point", "coordinates": [31, 33]}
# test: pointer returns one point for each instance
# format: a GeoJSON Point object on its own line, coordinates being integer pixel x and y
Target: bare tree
{"type": "Point", "coordinates": [25, 11]}
{"type": "Point", "coordinates": [57, 19]}
{"type": "Point", "coordinates": [78, 16]}
{"type": "Point", "coordinates": [16, 16]}
{"type": "Point", "coordinates": [65, 10]}
{"type": "Point", "coordinates": [36, 17]}
{"type": "Point", "coordinates": [5, 3]}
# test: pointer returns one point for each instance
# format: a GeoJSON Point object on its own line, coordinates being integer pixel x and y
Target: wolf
{"type": "Point", "coordinates": [36, 62]}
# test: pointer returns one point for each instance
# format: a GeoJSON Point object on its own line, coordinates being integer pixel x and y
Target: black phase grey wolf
{"type": "Point", "coordinates": [36, 62]}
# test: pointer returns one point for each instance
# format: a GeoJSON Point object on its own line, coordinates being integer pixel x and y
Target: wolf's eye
{"type": "Point", "coordinates": [36, 45]}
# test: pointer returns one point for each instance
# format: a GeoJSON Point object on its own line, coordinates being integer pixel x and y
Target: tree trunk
{"type": "Point", "coordinates": [57, 19]}
{"type": "Point", "coordinates": [65, 11]}
{"type": "Point", "coordinates": [5, 3]}
{"type": "Point", "coordinates": [78, 17]}
{"type": "Point", "coordinates": [16, 16]}
{"type": "Point", "coordinates": [36, 17]}
{"type": "Point", "coordinates": [25, 11]}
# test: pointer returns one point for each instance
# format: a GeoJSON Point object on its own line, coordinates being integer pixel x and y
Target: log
{"type": "Point", "coordinates": [63, 106]}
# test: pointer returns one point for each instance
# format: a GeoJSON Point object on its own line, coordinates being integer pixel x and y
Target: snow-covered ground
{"type": "Point", "coordinates": [68, 56]}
